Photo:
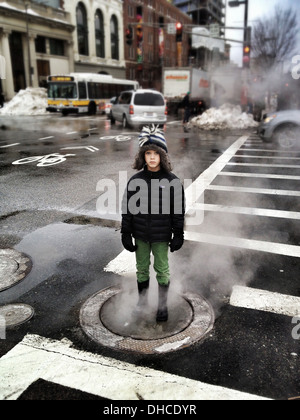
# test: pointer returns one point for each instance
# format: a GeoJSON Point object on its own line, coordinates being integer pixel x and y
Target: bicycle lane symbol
{"type": "Point", "coordinates": [43, 161]}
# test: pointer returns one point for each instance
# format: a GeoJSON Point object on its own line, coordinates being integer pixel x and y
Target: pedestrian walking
{"type": "Point", "coordinates": [153, 213]}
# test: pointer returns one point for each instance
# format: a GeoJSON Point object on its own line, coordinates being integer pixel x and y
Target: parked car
{"type": "Point", "coordinates": [139, 108]}
{"type": "Point", "coordinates": [282, 127]}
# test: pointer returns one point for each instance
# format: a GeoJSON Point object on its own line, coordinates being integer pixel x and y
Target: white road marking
{"type": "Point", "coordinates": [249, 211]}
{"type": "Point", "coordinates": [250, 149]}
{"type": "Point", "coordinates": [253, 190]}
{"type": "Point", "coordinates": [57, 362]}
{"type": "Point", "coordinates": [208, 176]}
{"type": "Point", "coordinates": [241, 243]}
{"type": "Point", "coordinates": [92, 149]}
{"type": "Point", "coordinates": [253, 175]}
{"type": "Point", "coordinates": [267, 157]}
{"type": "Point", "coordinates": [47, 138]}
{"type": "Point", "coordinates": [262, 300]}
{"type": "Point", "coordinates": [72, 132]}
{"type": "Point", "coordinates": [9, 145]}
{"type": "Point", "coordinates": [264, 165]}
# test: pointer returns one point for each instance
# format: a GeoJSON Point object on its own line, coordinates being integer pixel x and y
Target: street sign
{"type": "Point", "coordinates": [214, 30]}
{"type": "Point", "coordinates": [172, 28]}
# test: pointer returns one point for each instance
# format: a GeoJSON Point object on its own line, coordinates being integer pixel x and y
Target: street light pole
{"type": "Point", "coordinates": [27, 4]}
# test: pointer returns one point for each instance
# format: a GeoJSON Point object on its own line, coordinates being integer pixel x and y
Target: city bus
{"type": "Point", "coordinates": [78, 93]}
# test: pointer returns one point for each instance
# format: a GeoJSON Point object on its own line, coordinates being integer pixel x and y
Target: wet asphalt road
{"type": "Point", "coordinates": [48, 211]}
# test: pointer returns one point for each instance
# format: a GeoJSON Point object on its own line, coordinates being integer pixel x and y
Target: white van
{"type": "Point", "coordinates": [138, 108]}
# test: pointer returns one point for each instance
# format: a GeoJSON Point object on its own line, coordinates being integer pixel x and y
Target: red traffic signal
{"type": "Point", "coordinates": [179, 30]}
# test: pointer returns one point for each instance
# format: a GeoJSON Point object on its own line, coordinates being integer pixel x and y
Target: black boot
{"type": "Point", "coordinates": [162, 313]}
{"type": "Point", "coordinates": [143, 295]}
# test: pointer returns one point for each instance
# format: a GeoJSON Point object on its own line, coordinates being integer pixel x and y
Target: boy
{"type": "Point", "coordinates": [153, 214]}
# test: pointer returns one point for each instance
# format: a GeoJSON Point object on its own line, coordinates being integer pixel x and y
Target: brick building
{"type": "Point", "coordinates": [152, 48]}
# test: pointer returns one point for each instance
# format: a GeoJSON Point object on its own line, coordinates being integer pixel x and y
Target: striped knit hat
{"type": "Point", "coordinates": [153, 135]}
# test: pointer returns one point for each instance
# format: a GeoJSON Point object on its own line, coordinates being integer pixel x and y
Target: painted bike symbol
{"type": "Point", "coordinates": [48, 160]}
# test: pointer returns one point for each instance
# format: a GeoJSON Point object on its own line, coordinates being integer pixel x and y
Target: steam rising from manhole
{"type": "Point", "coordinates": [191, 318]}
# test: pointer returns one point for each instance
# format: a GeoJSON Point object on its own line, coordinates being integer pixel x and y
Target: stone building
{"type": "Point", "coordinates": [99, 36]}
{"type": "Point", "coordinates": [35, 41]}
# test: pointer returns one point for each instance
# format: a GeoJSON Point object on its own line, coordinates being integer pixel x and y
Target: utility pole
{"type": "Point", "coordinates": [27, 5]}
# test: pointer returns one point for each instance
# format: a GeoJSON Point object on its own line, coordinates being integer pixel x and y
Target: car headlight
{"type": "Point", "coordinates": [269, 119]}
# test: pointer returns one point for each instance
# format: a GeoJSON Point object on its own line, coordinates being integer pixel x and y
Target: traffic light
{"type": "Point", "coordinates": [246, 56]}
{"type": "Point", "coordinates": [179, 30]}
{"type": "Point", "coordinates": [129, 35]}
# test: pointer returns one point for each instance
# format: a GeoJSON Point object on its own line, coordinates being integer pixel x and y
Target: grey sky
{"type": "Point", "coordinates": [257, 9]}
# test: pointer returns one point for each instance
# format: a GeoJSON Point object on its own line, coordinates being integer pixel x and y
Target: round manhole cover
{"type": "Point", "coordinates": [116, 317]}
{"type": "Point", "coordinates": [14, 267]}
{"type": "Point", "coordinates": [16, 314]}
{"type": "Point", "coordinates": [190, 320]}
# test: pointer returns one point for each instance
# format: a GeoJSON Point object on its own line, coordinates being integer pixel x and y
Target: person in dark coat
{"type": "Point", "coordinates": [153, 213]}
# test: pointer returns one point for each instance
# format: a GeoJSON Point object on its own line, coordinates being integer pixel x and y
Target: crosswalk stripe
{"type": "Point", "coordinates": [57, 362]}
{"type": "Point", "coordinates": [280, 214]}
{"type": "Point", "coordinates": [249, 244]}
{"type": "Point", "coordinates": [263, 300]}
{"type": "Point", "coordinates": [264, 191]}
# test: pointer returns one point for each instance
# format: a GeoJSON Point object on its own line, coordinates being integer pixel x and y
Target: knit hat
{"type": "Point", "coordinates": [153, 135]}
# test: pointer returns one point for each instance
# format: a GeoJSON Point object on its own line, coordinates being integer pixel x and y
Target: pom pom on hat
{"type": "Point", "coordinates": [153, 135]}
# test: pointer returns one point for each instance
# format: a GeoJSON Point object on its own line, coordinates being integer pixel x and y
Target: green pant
{"type": "Point", "coordinates": [161, 261]}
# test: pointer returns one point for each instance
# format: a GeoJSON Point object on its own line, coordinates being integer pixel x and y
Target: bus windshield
{"type": "Point", "coordinates": [62, 91]}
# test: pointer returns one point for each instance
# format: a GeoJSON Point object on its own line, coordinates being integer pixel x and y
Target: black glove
{"type": "Point", "coordinates": [128, 242]}
{"type": "Point", "coordinates": [177, 243]}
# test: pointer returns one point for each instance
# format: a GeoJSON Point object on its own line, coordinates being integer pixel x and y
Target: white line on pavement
{"type": "Point", "coordinates": [262, 300]}
{"type": "Point", "coordinates": [9, 145]}
{"type": "Point", "coordinates": [253, 190]}
{"type": "Point", "coordinates": [47, 138]}
{"type": "Point", "coordinates": [248, 211]}
{"type": "Point", "coordinates": [241, 243]}
{"type": "Point", "coordinates": [57, 362]}
{"type": "Point", "coordinates": [253, 175]}
{"type": "Point", "coordinates": [208, 176]}
{"type": "Point", "coordinates": [264, 165]}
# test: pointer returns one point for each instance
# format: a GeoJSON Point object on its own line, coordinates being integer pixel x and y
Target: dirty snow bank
{"type": "Point", "coordinates": [226, 117]}
{"type": "Point", "coordinates": [32, 101]}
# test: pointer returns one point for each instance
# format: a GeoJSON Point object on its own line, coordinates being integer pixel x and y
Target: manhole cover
{"type": "Point", "coordinates": [116, 317]}
{"type": "Point", "coordinates": [14, 267]}
{"type": "Point", "coordinates": [190, 320]}
{"type": "Point", "coordinates": [16, 314]}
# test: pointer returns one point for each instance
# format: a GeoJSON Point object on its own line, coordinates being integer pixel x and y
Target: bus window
{"type": "Point", "coordinates": [82, 90]}
{"type": "Point", "coordinates": [62, 91]}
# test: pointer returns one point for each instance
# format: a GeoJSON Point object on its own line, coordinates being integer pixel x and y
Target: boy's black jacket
{"type": "Point", "coordinates": [152, 211]}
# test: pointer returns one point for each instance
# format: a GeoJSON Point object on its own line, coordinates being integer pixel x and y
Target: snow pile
{"type": "Point", "coordinates": [32, 101]}
{"type": "Point", "coordinates": [226, 117]}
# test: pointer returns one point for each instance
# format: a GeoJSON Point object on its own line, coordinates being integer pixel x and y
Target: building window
{"type": "Point", "coordinates": [82, 30]}
{"type": "Point", "coordinates": [114, 37]}
{"type": "Point", "coordinates": [57, 47]}
{"type": "Point", "coordinates": [99, 28]}
{"type": "Point", "coordinates": [40, 45]}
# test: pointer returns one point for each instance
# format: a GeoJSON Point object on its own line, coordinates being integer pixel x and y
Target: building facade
{"type": "Point", "coordinates": [150, 46]}
{"type": "Point", "coordinates": [99, 36]}
{"type": "Point", "coordinates": [35, 41]}
{"type": "Point", "coordinates": [203, 12]}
